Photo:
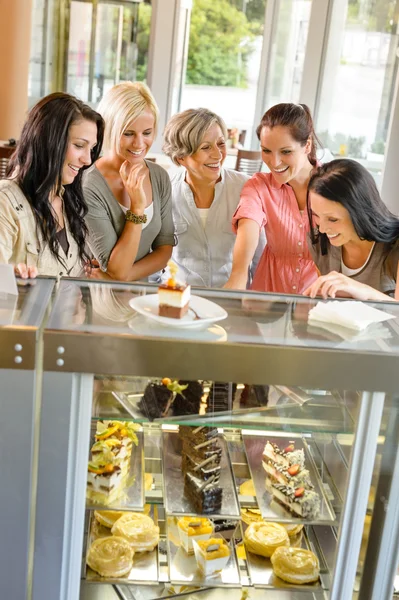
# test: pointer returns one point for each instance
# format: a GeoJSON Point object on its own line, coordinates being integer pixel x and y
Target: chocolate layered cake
{"type": "Point", "coordinates": [201, 456]}
{"type": "Point", "coordinates": [155, 400]}
{"type": "Point", "coordinates": [188, 402]}
{"type": "Point", "coordinates": [205, 496]}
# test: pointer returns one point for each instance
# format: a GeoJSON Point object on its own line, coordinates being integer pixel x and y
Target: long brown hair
{"type": "Point", "coordinates": [297, 118]}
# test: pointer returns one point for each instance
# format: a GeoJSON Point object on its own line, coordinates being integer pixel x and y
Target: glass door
{"type": "Point", "coordinates": [107, 44]}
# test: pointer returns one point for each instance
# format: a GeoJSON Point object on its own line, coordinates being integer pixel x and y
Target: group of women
{"type": "Point", "coordinates": [80, 198]}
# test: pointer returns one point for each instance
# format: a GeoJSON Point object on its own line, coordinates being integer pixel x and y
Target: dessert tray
{"type": "Point", "coordinates": [261, 571]}
{"type": "Point", "coordinates": [201, 313]}
{"type": "Point", "coordinates": [270, 509]}
{"type": "Point", "coordinates": [133, 496]}
{"type": "Point", "coordinates": [183, 567]}
{"type": "Point", "coordinates": [145, 568]}
{"type": "Point", "coordinates": [175, 501]}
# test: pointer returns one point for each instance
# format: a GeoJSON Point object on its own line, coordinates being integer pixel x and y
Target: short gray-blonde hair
{"type": "Point", "coordinates": [121, 105]}
{"type": "Point", "coordinates": [184, 132]}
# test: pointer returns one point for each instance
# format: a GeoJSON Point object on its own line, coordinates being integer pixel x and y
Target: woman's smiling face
{"type": "Point", "coordinates": [282, 154]}
{"type": "Point", "coordinates": [333, 219]}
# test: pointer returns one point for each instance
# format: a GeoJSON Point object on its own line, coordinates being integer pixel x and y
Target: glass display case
{"type": "Point", "coordinates": [21, 319]}
{"type": "Point", "coordinates": [289, 405]}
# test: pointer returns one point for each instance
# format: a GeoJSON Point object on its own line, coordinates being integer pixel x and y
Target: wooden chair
{"type": "Point", "coordinates": [5, 152]}
{"type": "Point", "coordinates": [249, 161]}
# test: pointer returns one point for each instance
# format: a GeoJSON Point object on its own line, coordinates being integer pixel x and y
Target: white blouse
{"type": "Point", "coordinates": [204, 252]}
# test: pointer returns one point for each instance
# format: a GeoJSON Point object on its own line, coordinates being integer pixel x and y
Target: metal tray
{"type": "Point", "coordinates": [133, 497]}
{"type": "Point", "coordinates": [271, 510]}
{"type": "Point", "coordinates": [145, 564]}
{"type": "Point", "coordinates": [261, 570]}
{"type": "Point", "coordinates": [183, 568]}
{"type": "Point", "coordinates": [175, 501]}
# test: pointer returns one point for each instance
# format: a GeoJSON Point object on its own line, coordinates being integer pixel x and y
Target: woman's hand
{"type": "Point", "coordinates": [236, 282]}
{"type": "Point", "coordinates": [22, 270]}
{"type": "Point", "coordinates": [336, 285]}
{"type": "Point", "coordinates": [92, 270]}
{"type": "Point", "coordinates": [133, 179]}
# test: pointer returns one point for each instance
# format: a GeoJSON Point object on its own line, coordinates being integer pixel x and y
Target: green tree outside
{"type": "Point", "coordinates": [221, 40]}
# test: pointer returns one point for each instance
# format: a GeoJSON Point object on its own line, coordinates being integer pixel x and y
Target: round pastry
{"type": "Point", "coordinates": [295, 565]}
{"type": "Point", "coordinates": [148, 481]}
{"type": "Point", "coordinates": [139, 530]}
{"type": "Point", "coordinates": [292, 529]}
{"type": "Point", "coordinates": [250, 515]}
{"type": "Point", "coordinates": [110, 556]}
{"type": "Point", "coordinates": [247, 488]}
{"type": "Point", "coordinates": [108, 517]}
{"type": "Point", "coordinates": [263, 538]}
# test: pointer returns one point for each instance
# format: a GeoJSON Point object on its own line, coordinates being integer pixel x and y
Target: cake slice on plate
{"type": "Point", "coordinates": [174, 297]}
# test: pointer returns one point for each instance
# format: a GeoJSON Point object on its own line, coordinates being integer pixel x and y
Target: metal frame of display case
{"type": "Point", "coordinates": [20, 392]}
{"type": "Point", "coordinates": [72, 356]}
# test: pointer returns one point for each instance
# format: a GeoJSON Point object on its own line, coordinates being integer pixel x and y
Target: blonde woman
{"type": "Point", "coordinates": [205, 196]}
{"type": "Point", "coordinates": [131, 232]}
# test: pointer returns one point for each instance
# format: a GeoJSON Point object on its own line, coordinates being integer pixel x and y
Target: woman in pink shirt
{"type": "Point", "coordinates": [277, 202]}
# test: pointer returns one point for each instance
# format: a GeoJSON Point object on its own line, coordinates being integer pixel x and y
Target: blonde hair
{"type": "Point", "coordinates": [184, 132]}
{"type": "Point", "coordinates": [121, 105]}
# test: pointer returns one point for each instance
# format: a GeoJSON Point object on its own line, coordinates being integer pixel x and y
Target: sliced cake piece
{"type": "Point", "coordinates": [301, 502]}
{"type": "Point", "coordinates": [173, 297]}
{"type": "Point", "coordinates": [284, 456]}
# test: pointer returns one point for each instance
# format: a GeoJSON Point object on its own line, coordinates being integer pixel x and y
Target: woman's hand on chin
{"type": "Point", "coordinates": [337, 285]}
{"type": "Point", "coordinates": [22, 270]}
{"type": "Point", "coordinates": [133, 179]}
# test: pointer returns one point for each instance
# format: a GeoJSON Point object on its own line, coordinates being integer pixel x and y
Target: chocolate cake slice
{"type": "Point", "coordinates": [205, 496]}
{"type": "Point", "coordinates": [210, 467]}
{"type": "Point", "coordinates": [188, 403]}
{"type": "Point", "coordinates": [155, 400]}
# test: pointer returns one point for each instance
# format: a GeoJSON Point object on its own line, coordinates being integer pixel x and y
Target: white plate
{"type": "Point", "coordinates": [145, 327]}
{"type": "Point", "coordinates": [201, 312]}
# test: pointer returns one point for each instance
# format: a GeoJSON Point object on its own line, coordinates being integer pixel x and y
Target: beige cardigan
{"type": "Point", "coordinates": [21, 242]}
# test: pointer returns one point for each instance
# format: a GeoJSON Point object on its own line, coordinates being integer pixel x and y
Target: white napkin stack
{"type": "Point", "coordinates": [351, 314]}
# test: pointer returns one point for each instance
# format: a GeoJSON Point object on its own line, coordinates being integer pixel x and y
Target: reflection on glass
{"type": "Point", "coordinates": [288, 51]}
{"type": "Point", "coordinates": [79, 49]}
{"type": "Point", "coordinates": [224, 52]}
{"type": "Point", "coordinates": [359, 75]}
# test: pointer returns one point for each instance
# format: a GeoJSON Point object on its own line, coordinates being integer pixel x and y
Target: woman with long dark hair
{"type": "Point", "coordinates": [42, 210]}
{"type": "Point", "coordinates": [276, 202]}
{"type": "Point", "coordinates": [354, 237]}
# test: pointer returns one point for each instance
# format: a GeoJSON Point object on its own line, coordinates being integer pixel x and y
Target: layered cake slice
{"type": "Point", "coordinates": [293, 475]}
{"type": "Point", "coordinates": [173, 297]}
{"type": "Point", "coordinates": [201, 456]}
{"type": "Point", "coordinates": [193, 528]}
{"type": "Point", "coordinates": [211, 555]}
{"type": "Point", "coordinates": [205, 496]}
{"type": "Point", "coordinates": [286, 457]}
{"type": "Point", "coordinates": [300, 502]}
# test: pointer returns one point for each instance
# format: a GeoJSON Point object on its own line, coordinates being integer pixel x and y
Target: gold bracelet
{"type": "Point", "coordinates": [137, 219]}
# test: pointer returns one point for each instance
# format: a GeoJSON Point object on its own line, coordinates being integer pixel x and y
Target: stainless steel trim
{"type": "Point", "coordinates": [119, 354]}
{"type": "Point", "coordinates": [358, 486]}
{"type": "Point", "coordinates": [382, 559]}
{"type": "Point", "coordinates": [63, 452]}
{"type": "Point", "coordinates": [27, 337]}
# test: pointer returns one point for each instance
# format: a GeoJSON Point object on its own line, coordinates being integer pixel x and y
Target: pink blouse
{"type": "Point", "coordinates": [285, 265]}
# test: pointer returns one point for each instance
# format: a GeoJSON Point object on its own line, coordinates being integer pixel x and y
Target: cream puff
{"type": "Point", "coordinates": [139, 530]}
{"type": "Point", "coordinates": [295, 565]}
{"type": "Point", "coordinates": [247, 488]}
{"type": "Point", "coordinates": [292, 529]}
{"type": "Point", "coordinates": [263, 538]}
{"type": "Point", "coordinates": [110, 557]}
{"type": "Point", "coordinates": [108, 517]}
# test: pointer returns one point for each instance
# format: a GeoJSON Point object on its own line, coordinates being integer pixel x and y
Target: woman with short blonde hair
{"type": "Point", "coordinates": [130, 223]}
{"type": "Point", "coordinates": [205, 196]}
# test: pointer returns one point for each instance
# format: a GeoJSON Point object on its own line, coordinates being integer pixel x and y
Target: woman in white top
{"type": "Point", "coordinates": [204, 196]}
